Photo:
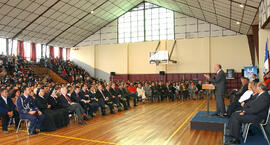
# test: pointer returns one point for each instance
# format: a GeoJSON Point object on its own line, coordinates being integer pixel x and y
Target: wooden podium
{"type": "Point", "coordinates": [208, 87]}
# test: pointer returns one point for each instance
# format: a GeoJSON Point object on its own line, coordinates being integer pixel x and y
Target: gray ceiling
{"type": "Point", "coordinates": [65, 23]}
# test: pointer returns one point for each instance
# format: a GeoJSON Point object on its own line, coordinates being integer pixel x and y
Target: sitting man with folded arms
{"type": "Point", "coordinates": [72, 106]}
{"type": "Point", "coordinates": [7, 110]}
{"type": "Point", "coordinates": [255, 111]}
{"type": "Point", "coordinates": [28, 110]}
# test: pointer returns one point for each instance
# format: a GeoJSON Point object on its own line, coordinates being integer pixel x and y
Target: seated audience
{"type": "Point", "coordinates": [148, 91]}
{"type": "Point", "coordinates": [54, 119]}
{"type": "Point", "coordinates": [102, 100]}
{"type": "Point", "coordinates": [235, 105]}
{"type": "Point", "coordinates": [28, 110]}
{"type": "Point", "coordinates": [72, 106]}
{"type": "Point", "coordinates": [115, 92]}
{"type": "Point", "coordinates": [141, 92]}
{"type": "Point", "coordinates": [133, 93]}
{"type": "Point", "coordinates": [255, 111]}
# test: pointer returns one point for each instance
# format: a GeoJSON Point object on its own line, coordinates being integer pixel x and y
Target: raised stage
{"type": "Point", "coordinates": [201, 121]}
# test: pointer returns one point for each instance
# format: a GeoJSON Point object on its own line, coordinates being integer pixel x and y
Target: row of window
{"type": "Point", "coordinates": [147, 22]}
{"type": "Point", "coordinates": [27, 50]}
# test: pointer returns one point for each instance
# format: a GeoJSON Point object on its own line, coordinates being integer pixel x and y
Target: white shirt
{"type": "Point", "coordinates": [5, 99]}
{"type": "Point", "coordinates": [218, 71]}
{"type": "Point", "coordinates": [245, 96]}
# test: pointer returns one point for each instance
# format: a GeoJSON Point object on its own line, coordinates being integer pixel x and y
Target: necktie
{"type": "Point", "coordinates": [67, 99]}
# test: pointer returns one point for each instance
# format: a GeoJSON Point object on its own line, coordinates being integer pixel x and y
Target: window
{"type": "Point", "coordinates": [146, 22]}
{"type": "Point", "coordinates": [64, 54]}
{"type": "Point", "coordinates": [12, 45]}
{"type": "Point", "coordinates": [38, 52]}
{"type": "Point", "coordinates": [56, 52]}
{"type": "Point", "coordinates": [27, 50]}
{"type": "Point", "coordinates": [3, 46]}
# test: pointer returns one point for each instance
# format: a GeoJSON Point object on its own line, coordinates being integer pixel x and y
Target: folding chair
{"type": "Point", "coordinates": [247, 126]}
{"type": "Point", "coordinates": [27, 122]}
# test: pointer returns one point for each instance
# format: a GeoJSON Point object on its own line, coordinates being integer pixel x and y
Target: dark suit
{"type": "Point", "coordinates": [77, 108]}
{"type": "Point", "coordinates": [220, 85]}
{"type": "Point", "coordinates": [125, 95]}
{"type": "Point", "coordinates": [235, 105]}
{"type": "Point", "coordinates": [118, 99]}
{"type": "Point", "coordinates": [101, 101]}
{"type": "Point", "coordinates": [111, 101]}
{"type": "Point", "coordinates": [254, 112]}
{"type": "Point", "coordinates": [4, 109]}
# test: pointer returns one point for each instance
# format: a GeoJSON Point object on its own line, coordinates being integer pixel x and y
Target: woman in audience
{"type": "Point", "coordinates": [148, 91]}
{"type": "Point", "coordinates": [141, 92]}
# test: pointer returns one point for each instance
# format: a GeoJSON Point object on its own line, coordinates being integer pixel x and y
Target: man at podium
{"type": "Point", "coordinates": [220, 85]}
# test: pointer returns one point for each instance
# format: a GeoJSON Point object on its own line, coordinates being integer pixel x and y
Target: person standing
{"type": "Point", "coordinates": [220, 85]}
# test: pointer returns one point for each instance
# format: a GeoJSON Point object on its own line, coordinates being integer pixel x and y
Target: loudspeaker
{"type": "Point", "coordinates": [242, 72]}
{"type": "Point", "coordinates": [230, 74]}
{"type": "Point", "coordinates": [162, 73]}
{"type": "Point", "coordinates": [112, 73]}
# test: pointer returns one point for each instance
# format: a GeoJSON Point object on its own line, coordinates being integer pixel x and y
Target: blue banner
{"type": "Point", "coordinates": [249, 71]}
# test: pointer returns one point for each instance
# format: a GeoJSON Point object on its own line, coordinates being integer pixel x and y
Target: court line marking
{"type": "Point", "coordinates": [73, 138]}
{"type": "Point", "coordinates": [181, 126]}
{"type": "Point", "coordinates": [81, 139]}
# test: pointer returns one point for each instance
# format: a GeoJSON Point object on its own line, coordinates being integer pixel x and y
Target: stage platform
{"type": "Point", "coordinates": [201, 121]}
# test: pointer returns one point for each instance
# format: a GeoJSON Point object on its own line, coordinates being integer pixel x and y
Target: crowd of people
{"type": "Point", "coordinates": [249, 104]}
{"type": "Point", "coordinates": [48, 106]}
{"type": "Point", "coordinates": [67, 70]}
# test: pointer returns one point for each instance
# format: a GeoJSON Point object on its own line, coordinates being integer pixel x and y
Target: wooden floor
{"type": "Point", "coordinates": [165, 123]}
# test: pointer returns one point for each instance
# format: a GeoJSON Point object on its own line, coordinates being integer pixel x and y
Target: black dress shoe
{"type": "Point", "coordinates": [233, 141]}
{"type": "Point", "coordinates": [33, 133]}
{"type": "Point", "coordinates": [85, 118]}
{"type": "Point", "coordinates": [81, 123]}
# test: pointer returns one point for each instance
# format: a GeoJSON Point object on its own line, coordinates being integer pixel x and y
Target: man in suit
{"type": "Point", "coordinates": [78, 97]}
{"type": "Point", "coordinates": [220, 85]}
{"type": "Point", "coordinates": [255, 111]}
{"type": "Point", "coordinates": [89, 102]}
{"type": "Point", "coordinates": [118, 97]}
{"type": "Point", "coordinates": [124, 94]}
{"type": "Point", "coordinates": [72, 106]}
{"type": "Point", "coordinates": [28, 110]}
{"type": "Point", "coordinates": [235, 105]}
{"type": "Point", "coordinates": [103, 99]}
{"type": "Point", "coordinates": [7, 111]}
